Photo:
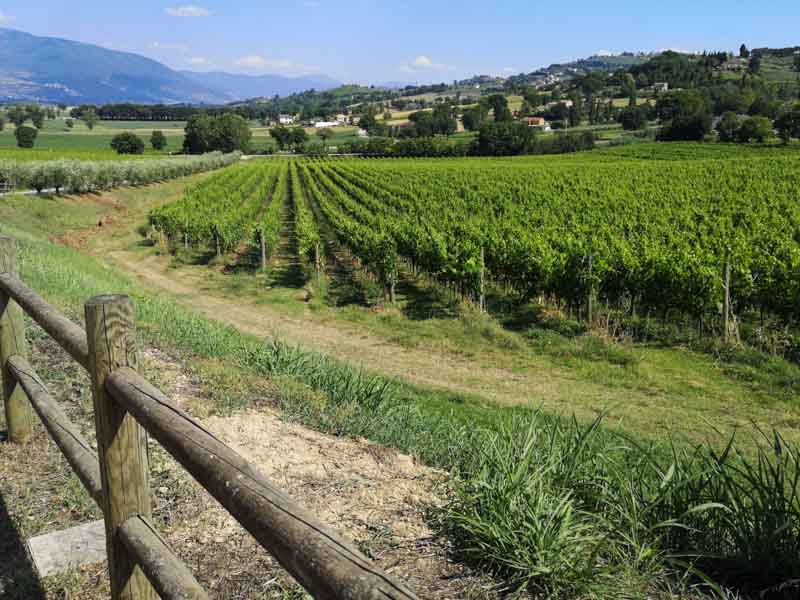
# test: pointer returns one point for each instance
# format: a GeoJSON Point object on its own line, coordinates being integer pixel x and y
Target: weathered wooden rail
{"type": "Point", "coordinates": [126, 408]}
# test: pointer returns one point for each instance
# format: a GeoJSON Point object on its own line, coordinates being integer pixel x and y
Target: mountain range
{"type": "Point", "coordinates": [45, 69]}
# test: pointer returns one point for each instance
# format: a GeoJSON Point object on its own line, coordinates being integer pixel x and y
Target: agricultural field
{"type": "Point", "coordinates": [637, 237]}
{"type": "Point", "coordinates": [56, 141]}
{"type": "Point", "coordinates": [451, 299]}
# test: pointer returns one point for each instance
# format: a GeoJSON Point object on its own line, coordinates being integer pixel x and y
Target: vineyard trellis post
{"type": "Point", "coordinates": [121, 441]}
{"type": "Point", "coordinates": [726, 307]}
{"type": "Point", "coordinates": [482, 300]}
{"type": "Point", "coordinates": [263, 250]}
{"type": "Point", "coordinates": [590, 298]}
{"type": "Point", "coordinates": [19, 416]}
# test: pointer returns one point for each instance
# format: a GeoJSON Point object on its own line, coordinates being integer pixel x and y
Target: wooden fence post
{"type": "Point", "coordinates": [19, 416]}
{"type": "Point", "coordinates": [121, 441]}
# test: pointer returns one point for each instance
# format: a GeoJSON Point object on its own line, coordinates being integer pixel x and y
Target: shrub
{"type": "Point", "coordinates": [757, 129]}
{"type": "Point", "coordinates": [728, 127]}
{"type": "Point", "coordinates": [158, 140]}
{"type": "Point", "coordinates": [127, 143]}
{"type": "Point", "coordinates": [26, 136]}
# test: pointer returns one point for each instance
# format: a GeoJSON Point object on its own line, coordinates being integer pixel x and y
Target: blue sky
{"type": "Point", "coordinates": [402, 40]}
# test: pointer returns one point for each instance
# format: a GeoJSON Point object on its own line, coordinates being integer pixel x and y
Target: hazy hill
{"type": "Point", "coordinates": [44, 69]}
{"type": "Point", "coordinates": [239, 87]}
{"type": "Point", "coordinates": [56, 70]}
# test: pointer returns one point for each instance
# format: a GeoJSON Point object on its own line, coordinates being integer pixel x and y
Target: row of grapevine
{"type": "Point", "coordinates": [82, 176]}
{"type": "Point", "coordinates": [309, 245]}
{"type": "Point", "coordinates": [221, 211]}
{"type": "Point", "coordinates": [267, 227]}
{"type": "Point", "coordinates": [657, 233]}
{"type": "Point", "coordinates": [357, 229]}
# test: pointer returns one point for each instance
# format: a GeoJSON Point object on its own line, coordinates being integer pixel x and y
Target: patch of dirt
{"type": "Point", "coordinates": [373, 495]}
{"type": "Point", "coordinates": [78, 238]}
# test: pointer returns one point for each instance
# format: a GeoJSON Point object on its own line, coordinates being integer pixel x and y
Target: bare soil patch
{"type": "Point", "coordinates": [373, 495]}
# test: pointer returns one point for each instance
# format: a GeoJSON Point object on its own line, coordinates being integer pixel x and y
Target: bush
{"type": "Point", "coordinates": [127, 143]}
{"type": "Point", "coordinates": [26, 136]}
{"type": "Point", "coordinates": [728, 127]}
{"type": "Point", "coordinates": [158, 140]}
{"type": "Point", "coordinates": [632, 118]}
{"type": "Point", "coordinates": [757, 129]}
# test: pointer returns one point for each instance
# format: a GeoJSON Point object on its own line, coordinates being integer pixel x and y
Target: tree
{"type": "Point", "coordinates": [499, 105]}
{"type": "Point", "coordinates": [632, 118]}
{"type": "Point", "coordinates": [90, 118]}
{"type": "Point", "coordinates": [574, 116]}
{"type": "Point", "coordinates": [788, 125]}
{"type": "Point", "coordinates": [474, 118]}
{"type": "Point", "coordinates": [368, 121]}
{"type": "Point", "coordinates": [127, 143]}
{"type": "Point", "coordinates": [444, 121]}
{"type": "Point", "coordinates": [69, 123]}
{"type": "Point", "coordinates": [17, 115]}
{"type": "Point", "coordinates": [282, 135]}
{"type": "Point", "coordinates": [26, 136]}
{"type": "Point", "coordinates": [158, 140]}
{"type": "Point", "coordinates": [728, 127]}
{"type": "Point", "coordinates": [754, 67]}
{"type": "Point", "coordinates": [226, 133]}
{"type": "Point", "coordinates": [685, 115]}
{"type": "Point", "coordinates": [629, 88]}
{"type": "Point", "coordinates": [2, 122]}
{"type": "Point", "coordinates": [757, 129]}
{"type": "Point", "coordinates": [199, 133]}
{"type": "Point", "coordinates": [744, 52]}
{"type": "Point", "coordinates": [325, 135]}
{"type": "Point", "coordinates": [36, 115]}
{"type": "Point", "coordinates": [298, 136]}
{"type": "Point", "coordinates": [230, 133]}
{"type": "Point", "coordinates": [424, 123]}
{"type": "Point", "coordinates": [506, 138]}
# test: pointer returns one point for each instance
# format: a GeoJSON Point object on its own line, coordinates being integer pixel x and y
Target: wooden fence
{"type": "Point", "coordinates": [126, 408]}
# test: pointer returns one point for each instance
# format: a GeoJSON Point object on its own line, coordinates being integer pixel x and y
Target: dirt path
{"type": "Point", "coordinates": [345, 342]}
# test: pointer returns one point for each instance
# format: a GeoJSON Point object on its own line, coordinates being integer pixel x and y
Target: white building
{"type": "Point", "coordinates": [325, 124]}
{"type": "Point", "coordinates": [286, 119]}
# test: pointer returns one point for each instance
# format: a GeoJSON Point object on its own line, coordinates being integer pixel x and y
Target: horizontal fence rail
{"type": "Point", "coordinates": [68, 335]}
{"type": "Point", "coordinates": [127, 407]}
{"type": "Point", "coordinates": [75, 448]}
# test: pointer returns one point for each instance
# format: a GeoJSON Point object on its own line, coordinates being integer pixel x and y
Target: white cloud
{"type": "Point", "coordinates": [252, 61]}
{"type": "Point", "coordinates": [199, 61]}
{"type": "Point", "coordinates": [188, 10]}
{"type": "Point", "coordinates": [257, 62]}
{"type": "Point", "coordinates": [510, 70]}
{"type": "Point", "coordinates": [604, 53]}
{"type": "Point", "coordinates": [4, 18]}
{"type": "Point", "coordinates": [423, 63]}
{"type": "Point", "coordinates": [168, 46]}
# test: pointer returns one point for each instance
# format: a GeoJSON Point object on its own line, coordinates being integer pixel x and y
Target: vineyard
{"type": "Point", "coordinates": [661, 238]}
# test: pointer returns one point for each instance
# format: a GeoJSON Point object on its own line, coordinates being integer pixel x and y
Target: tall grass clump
{"type": "Point", "coordinates": [559, 508]}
